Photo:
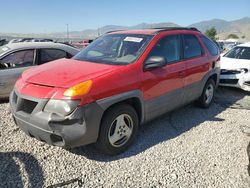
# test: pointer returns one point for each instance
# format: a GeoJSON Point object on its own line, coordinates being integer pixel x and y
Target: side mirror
{"type": "Point", "coordinates": [154, 62]}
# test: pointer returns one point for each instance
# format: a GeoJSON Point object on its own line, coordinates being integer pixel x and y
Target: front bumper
{"type": "Point", "coordinates": [79, 128]}
{"type": "Point", "coordinates": [241, 80]}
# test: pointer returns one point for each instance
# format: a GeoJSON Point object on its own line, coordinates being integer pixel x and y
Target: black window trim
{"type": "Point", "coordinates": [183, 44]}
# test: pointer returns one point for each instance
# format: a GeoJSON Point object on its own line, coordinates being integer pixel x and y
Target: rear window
{"type": "Point", "coordinates": [210, 45]}
{"type": "Point", "coordinates": [192, 47]}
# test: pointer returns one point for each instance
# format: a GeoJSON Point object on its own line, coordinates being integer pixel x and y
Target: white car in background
{"type": "Point", "coordinates": [235, 67]}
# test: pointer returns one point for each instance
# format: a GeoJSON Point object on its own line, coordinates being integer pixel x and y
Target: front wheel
{"type": "Point", "coordinates": [118, 129]}
{"type": "Point", "coordinates": [207, 96]}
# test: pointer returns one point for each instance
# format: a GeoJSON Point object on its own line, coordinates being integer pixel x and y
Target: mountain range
{"type": "Point", "coordinates": [240, 27]}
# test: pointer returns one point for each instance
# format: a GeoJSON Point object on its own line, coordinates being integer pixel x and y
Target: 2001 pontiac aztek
{"type": "Point", "coordinates": [121, 80]}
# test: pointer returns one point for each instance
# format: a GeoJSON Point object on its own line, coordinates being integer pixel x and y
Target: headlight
{"type": "Point", "coordinates": [61, 107]}
{"type": "Point", "coordinates": [245, 70]}
{"type": "Point", "coordinates": [242, 70]}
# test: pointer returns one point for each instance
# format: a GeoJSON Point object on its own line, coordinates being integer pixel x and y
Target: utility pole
{"type": "Point", "coordinates": [68, 32]}
{"type": "Point", "coordinates": [98, 32]}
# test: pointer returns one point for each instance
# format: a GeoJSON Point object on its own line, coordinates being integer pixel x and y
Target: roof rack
{"type": "Point", "coordinates": [115, 31]}
{"type": "Point", "coordinates": [161, 29]}
{"type": "Point", "coordinates": [176, 28]}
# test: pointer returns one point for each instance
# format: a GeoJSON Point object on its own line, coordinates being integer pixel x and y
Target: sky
{"type": "Point", "coordinates": [45, 16]}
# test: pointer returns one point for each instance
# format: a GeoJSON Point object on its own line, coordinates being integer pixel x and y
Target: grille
{"type": "Point", "coordinates": [225, 72]}
{"type": "Point", "coordinates": [229, 81]}
{"type": "Point", "coordinates": [27, 106]}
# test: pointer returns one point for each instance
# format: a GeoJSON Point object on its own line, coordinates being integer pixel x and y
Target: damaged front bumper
{"type": "Point", "coordinates": [81, 127]}
{"type": "Point", "coordinates": [238, 79]}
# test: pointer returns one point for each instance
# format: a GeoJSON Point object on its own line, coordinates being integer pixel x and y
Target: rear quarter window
{"type": "Point", "coordinates": [210, 45]}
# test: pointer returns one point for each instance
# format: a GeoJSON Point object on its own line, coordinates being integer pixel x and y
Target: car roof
{"type": "Point", "coordinates": [245, 44]}
{"type": "Point", "coordinates": [153, 31]}
{"type": "Point", "coordinates": [37, 45]}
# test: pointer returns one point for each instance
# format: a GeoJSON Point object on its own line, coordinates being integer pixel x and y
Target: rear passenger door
{"type": "Point", "coordinates": [47, 55]}
{"type": "Point", "coordinates": [197, 66]}
{"type": "Point", "coordinates": [163, 87]}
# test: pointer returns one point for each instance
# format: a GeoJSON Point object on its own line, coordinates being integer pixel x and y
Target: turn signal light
{"type": "Point", "coordinates": [79, 89]}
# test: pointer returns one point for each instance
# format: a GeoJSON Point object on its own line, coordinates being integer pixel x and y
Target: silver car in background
{"type": "Point", "coordinates": [17, 57]}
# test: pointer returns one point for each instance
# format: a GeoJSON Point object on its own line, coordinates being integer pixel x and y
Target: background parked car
{"type": "Point", "coordinates": [82, 44]}
{"type": "Point", "coordinates": [2, 42]}
{"type": "Point", "coordinates": [235, 67]}
{"type": "Point", "coordinates": [220, 46]}
{"type": "Point", "coordinates": [17, 57]}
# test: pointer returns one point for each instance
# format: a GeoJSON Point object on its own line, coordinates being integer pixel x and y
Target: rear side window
{"type": "Point", "coordinates": [192, 47]}
{"type": "Point", "coordinates": [168, 47]}
{"type": "Point", "coordinates": [47, 55]}
{"type": "Point", "coordinates": [18, 59]}
{"type": "Point", "coordinates": [210, 45]}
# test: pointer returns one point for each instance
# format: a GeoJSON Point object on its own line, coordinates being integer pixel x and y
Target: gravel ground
{"type": "Point", "coordinates": [190, 147]}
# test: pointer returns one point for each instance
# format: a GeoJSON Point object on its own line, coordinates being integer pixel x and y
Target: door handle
{"type": "Point", "coordinates": [182, 74]}
{"type": "Point", "coordinates": [2, 84]}
{"type": "Point", "coordinates": [206, 66]}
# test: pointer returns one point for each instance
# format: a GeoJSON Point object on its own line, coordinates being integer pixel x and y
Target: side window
{"type": "Point", "coordinates": [210, 45]}
{"type": "Point", "coordinates": [192, 47]}
{"type": "Point", "coordinates": [168, 47]}
{"type": "Point", "coordinates": [18, 59]}
{"type": "Point", "coordinates": [47, 55]}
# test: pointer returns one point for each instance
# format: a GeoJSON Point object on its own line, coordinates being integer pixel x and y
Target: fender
{"type": "Point", "coordinates": [109, 101]}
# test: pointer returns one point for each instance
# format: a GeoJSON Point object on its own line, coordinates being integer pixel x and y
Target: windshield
{"type": "Point", "coordinates": [239, 53]}
{"type": "Point", "coordinates": [3, 49]}
{"type": "Point", "coordinates": [115, 49]}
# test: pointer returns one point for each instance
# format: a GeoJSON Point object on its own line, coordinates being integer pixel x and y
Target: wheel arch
{"type": "Point", "coordinates": [214, 77]}
{"type": "Point", "coordinates": [133, 98]}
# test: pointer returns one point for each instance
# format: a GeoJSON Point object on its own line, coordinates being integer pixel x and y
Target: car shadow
{"type": "Point", "coordinates": [171, 125]}
{"type": "Point", "coordinates": [11, 175]}
{"type": "Point", "coordinates": [4, 101]}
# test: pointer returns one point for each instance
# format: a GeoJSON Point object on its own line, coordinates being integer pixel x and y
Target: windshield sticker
{"type": "Point", "coordinates": [133, 39]}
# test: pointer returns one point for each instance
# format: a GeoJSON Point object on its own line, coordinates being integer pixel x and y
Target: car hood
{"type": "Point", "coordinates": [232, 64]}
{"type": "Point", "coordinates": [65, 73]}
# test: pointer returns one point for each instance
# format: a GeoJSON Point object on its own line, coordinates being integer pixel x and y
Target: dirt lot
{"type": "Point", "coordinates": [190, 147]}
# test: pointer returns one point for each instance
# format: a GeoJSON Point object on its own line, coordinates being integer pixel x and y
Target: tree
{"type": "Point", "coordinates": [211, 33]}
{"type": "Point", "coordinates": [243, 36]}
{"type": "Point", "coordinates": [232, 36]}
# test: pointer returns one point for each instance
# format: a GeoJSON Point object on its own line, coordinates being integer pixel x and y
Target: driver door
{"type": "Point", "coordinates": [11, 68]}
{"type": "Point", "coordinates": [163, 87]}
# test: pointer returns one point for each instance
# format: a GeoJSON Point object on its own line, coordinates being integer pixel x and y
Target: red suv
{"type": "Point", "coordinates": [121, 80]}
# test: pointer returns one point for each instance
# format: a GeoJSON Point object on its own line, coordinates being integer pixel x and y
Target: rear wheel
{"type": "Point", "coordinates": [207, 96]}
{"type": "Point", "coordinates": [118, 129]}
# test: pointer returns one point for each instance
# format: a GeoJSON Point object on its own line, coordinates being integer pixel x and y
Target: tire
{"type": "Point", "coordinates": [207, 97]}
{"type": "Point", "coordinates": [118, 129]}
